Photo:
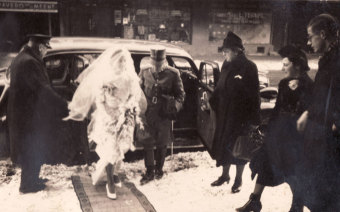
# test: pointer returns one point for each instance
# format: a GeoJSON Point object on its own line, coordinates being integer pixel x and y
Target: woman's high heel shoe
{"type": "Point", "coordinates": [253, 204]}
{"type": "Point", "coordinates": [237, 186]}
{"type": "Point", "coordinates": [109, 194]}
{"type": "Point", "coordinates": [220, 181]}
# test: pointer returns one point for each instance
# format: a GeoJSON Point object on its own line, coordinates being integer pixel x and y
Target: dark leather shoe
{"type": "Point", "coordinates": [159, 174]}
{"type": "Point", "coordinates": [147, 177]}
{"type": "Point", "coordinates": [32, 188]}
{"type": "Point", "coordinates": [42, 180]}
{"type": "Point", "coordinates": [237, 186]}
{"type": "Point", "coordinates": [220, 181]}
{"type": "Point", "coordinates": [253, 204]}
{"type": "Point", "coordinates": [296, 208]}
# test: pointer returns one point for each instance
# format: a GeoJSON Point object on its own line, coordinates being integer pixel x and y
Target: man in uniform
{"type": "Point", "coordinates": [33, 108]}
{"type": "Point", "coordinates": [164, 92]}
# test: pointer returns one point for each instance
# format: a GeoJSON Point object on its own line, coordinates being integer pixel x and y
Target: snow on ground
{"type": "Point", "coordinates": [184, 188]}
{"type": "Point", "coordinates": [59, 196]}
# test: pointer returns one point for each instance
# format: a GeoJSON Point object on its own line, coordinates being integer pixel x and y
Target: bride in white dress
{"type": "Point", "coordinates": [109, 94]}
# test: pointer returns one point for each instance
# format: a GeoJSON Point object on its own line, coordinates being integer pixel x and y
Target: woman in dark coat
{"type": "Point", "coordinates": [34, 109]}
{"type": "Point", "coordinates": [276, 161]}
{"type": "Point", "coordinates": [237, 105]}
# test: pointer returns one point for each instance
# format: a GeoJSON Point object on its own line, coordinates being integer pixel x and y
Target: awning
{"type": "Point", "coordinates": [29, 6]}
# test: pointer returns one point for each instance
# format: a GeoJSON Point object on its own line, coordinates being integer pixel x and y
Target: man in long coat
{"type": "Point", "coordinates": [237, 105]}
{"type": "Point", "coordinates": [320, 171]}
{"type": "Point", "coordinates": [33, 107]}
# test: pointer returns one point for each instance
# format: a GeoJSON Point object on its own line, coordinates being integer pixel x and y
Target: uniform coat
{"type": "Point", "coordinates": [170, 84]}
{"type": "Point", "coordinates": [34, 108]}
{"type": "Point", "coordinates": [237, 105]}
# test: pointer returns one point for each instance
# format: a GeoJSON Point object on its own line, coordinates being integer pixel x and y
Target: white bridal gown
{"type": "Point", "coordinates": [109, 94]}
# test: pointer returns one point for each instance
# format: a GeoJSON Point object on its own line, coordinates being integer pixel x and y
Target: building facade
{"type": "Point", "coordinates": [19, 18]}
{"type": "Point", "coordinates": [199, 26]}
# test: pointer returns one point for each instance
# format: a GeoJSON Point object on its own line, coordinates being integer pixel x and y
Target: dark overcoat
{"type": "Point", "coordinates": [282, 149]}
{"type": "Point", "coordinates": [320, 172]}
{"type": "Point", "coordinates": [34, 109]}
{"type": "Point", "coordinates": [237, 105]}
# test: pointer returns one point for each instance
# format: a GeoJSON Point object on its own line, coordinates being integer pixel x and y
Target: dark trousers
{"type": "Point", "coordinates": [29, 173]}
{"type": "Point", "coordinates": [31, 160]}
{"type": "Point", "coordinates": [160, 137]}
{"type": "Point", "coordinates": [159, 156]}
{"type": "Point", "coordinates": [30, 169]}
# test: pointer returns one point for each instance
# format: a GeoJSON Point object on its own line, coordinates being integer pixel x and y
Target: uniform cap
{"type": "Point", "coordinates": [158, 54]}
{"type": "Point", "coordinates": [40, 38]}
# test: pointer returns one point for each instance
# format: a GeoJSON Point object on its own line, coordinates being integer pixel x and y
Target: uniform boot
{"type": "Point", "coordinates": [148, 176]}
{"type": "Point", "coordinates": [253, 204]}
{"type": "Point", "coordinates": [160, 158]}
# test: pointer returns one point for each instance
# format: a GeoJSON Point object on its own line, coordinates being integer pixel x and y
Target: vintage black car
{"type": "Point", "coordinates": [194, 126]}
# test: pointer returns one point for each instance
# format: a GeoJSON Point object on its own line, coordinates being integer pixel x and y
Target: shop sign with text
{"type": "Point", "coordinates": [29, 6]}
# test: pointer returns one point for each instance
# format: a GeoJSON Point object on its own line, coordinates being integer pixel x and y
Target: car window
{"type": "Point", "coordinates": [208, 75]}
{"type": "Point", "coordinates": [184, 65]}
{"type": "Point", "coordinates": [181, 63]}
{"type": "Point", "coordinates": [57, 67]}
{"type": "Point", "coordinates": [62, 69]}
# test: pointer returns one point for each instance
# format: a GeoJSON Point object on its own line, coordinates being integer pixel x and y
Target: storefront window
{"type": "Point", "coordinates": [158, 23]}
{"type": "Point", "coordinates": [253, 27]}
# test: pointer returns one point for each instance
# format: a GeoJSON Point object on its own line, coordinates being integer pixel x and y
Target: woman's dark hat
{"type": "Point", "coordinates": [231, 41]}
{"type": "Point", "coordinates": [40, 38]}
{"type": "Point", "coordinates": [295, 55]}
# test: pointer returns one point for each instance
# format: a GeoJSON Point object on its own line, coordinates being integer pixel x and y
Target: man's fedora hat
{"type": "Point", "coordinates": [40, 38]}
{"type": "Point", "coordinates": [157, 54]}
{"type": "Point", "coordinates": [231, 41]}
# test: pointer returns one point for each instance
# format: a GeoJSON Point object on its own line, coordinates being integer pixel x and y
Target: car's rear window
{"type": "Point", "coordinates": [60, 67]}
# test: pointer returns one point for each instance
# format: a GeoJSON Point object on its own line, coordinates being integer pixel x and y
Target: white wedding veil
{"type": "Point", "coordinates": [113, 62]}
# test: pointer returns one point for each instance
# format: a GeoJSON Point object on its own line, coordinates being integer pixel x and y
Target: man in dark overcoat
{"type": "Point", "coordinates": [320, 171]}
{"type": "Point", "coordinates": [237, 105]}
{"type": "Point", "coordinates": [33, 106]}
{"type": "Point", "coordinates": [163, 88]}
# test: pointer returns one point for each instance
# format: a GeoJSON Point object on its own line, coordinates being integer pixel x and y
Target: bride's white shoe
{"type": "Point", "coordinates": [110, 195]}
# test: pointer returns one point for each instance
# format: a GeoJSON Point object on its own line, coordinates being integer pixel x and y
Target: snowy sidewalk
{"type": "Point", "coordinates": [184, 188]}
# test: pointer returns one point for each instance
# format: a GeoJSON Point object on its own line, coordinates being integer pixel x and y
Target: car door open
{"type": "Point", "coordinates": [208, 77]}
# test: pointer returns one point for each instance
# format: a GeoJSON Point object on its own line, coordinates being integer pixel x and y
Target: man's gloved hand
{"type": "Point", "coordinates": [169, 109]}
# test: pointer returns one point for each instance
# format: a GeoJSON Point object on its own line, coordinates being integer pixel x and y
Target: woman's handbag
{"type": "Point", "coordinates": [247, 145]}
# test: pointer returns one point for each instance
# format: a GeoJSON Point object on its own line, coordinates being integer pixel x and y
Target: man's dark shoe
{"type": "Point", "coordinates": [237, 186]}
{"type": "Point", "coordinates": [147, 177]}
{"type": "Point", "coordinates": [10, 172]}
{"type": "Point", "coordinates": [220, 181]}
{"type": "Point", "coordinates": [42, 180]}
{"type": "Point", "coordinates": [159, 174]}
{"type": "Point", "coordinates": [253, 204]}
{"type": "Point", "coordinates": [32, 188]}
